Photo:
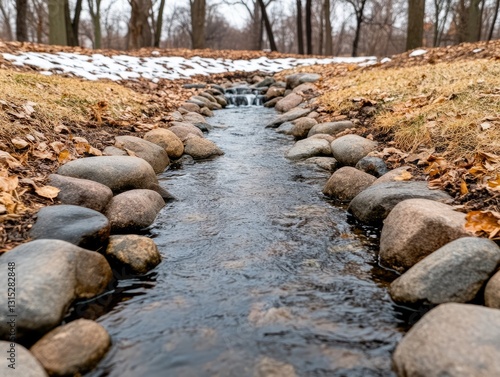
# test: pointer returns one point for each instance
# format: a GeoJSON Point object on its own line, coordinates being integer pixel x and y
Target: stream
{"type": "Point", "coordinates": [261, 274]}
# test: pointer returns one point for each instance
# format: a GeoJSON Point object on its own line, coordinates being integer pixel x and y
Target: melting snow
{"type": "Point", "coordinates": [418, 53]}
{"type": "Point", "coordinates": [98, 66]}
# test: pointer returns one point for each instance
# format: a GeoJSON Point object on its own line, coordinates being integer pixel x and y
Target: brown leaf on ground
{"type": "Point", "coordinates": [49, 192]}
{"type": "Point", "coordinates": [483, 223]}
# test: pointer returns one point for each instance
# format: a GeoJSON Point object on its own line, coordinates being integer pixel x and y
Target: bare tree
{"type": "Point", "coordinates": [21, 20]}
{"type": "Point", "coordinates": [309, 27]}
{"type": "Point", "coordinates": [198, 12]}
{"type": "Point", "coordinates": [57, 23]}
{"type": "Point", "coordinates": [328, 28]}
{"type": "Point", "coordinates": [359, 14]}
{"type": "Point", "coordinates": [442, 10]}
{"type": "Point", "coordinates": [267, 24]}
{"type": "Point", "coordinates": [494, 21]}
{"type": "Point", "coordinates": [72, 23]}
{"type": "Point", "coordinates": [300, 33]}
{"type": "Point", "coordinates": [415, 31]}
{"type": "Point", "coordinates": [139, 33]}
{"type": "Point", "coordinates": [6, 19]}
{"type": "Point", "coordinates": [159, 24]}
{"type": "Point", "coordinates": [95, 16]}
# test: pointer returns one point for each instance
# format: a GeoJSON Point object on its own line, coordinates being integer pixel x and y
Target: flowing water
{"type": "Point", "coordinates": [261, 274]}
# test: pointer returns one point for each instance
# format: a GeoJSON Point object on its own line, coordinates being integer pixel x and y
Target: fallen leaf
{"type": "Point", "coordinates": [61, 129]}
{"type": "Point", "coordinates": [463, 187]}
{"type": "Point", "coordinates": [49, 192]}
{"type": "Point", "coordinates": [44, 155]}
{"type": "Point", "coordinates": [8, 184]}
{"type": "Point", "coordinates": [485, 126]}
{"type": "Point", "coordinates": [19, 143]}
{"type": "Point", "coordinates": [404, 176]}
{"type": "Point", "coordinates": [64, 156]}
{"type": "Point", "coordinates": [94, 151]}
{"type": "Point", "coordinates": [57, 146]}
{"type": "Point", "coordinates": [488, 222]}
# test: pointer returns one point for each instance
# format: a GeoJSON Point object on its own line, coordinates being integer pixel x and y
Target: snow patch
{"type": "Point", "coordinates": [418, 53]}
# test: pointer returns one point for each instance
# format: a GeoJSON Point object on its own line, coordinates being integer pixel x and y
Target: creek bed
{"type": "Point", "coordinates": [261, 273]}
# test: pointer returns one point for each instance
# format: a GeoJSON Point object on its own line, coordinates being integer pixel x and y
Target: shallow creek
{"type": "Point", "coordinates": [260, 273]}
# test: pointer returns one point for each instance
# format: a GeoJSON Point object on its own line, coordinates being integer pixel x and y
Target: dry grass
{"type": "Point", "coordinates": [58, 100]}
{"type": "Point", "coordinates": [441, 106]}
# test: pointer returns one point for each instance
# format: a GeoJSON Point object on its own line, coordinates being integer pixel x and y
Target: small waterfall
{"type": "Point", "coordinates": [244, 96]}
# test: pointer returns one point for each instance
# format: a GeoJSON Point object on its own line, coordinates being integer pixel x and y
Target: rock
{"type": "Point", "coordinates": [208, 96]}
{"type": "Point", "coordinates": [346, 183]}
{"type": "Point", "coordinates": [119, 173]}
{"type": "Point", "coordinates": [24, 363]}
{"type": "Point", "coordinates": [134, 210]}
{"type": "Point", "coordinates": [73, 348]}
{"type": "Point", "coordinates": [372, 165]}
{"type": "Point", "coordinates": [167, 140]}
{"type": "Point", "coordinates": [53, 274]}
{"type": "Point", "coordinates": [203, 127]}
{"type": "Point", "coordinates": [415, 228]}
{"type": "Point", "coordinates": [194, 118]}
{"type": "Point", "coordinates": [454, 273]}
{"type": "Point", "coordinates": [296, 79]}
{"type": "Point", "coordinates": [325, 163]}
{"type": "Point", "coordinates": [302, 126]}
{"type": "Point", "coordinates": [289, 102]}
{"type": "Point", "coordinates": [285, 128]}
{"type": "Point", "coordinates": [266, 82]}
{"type": "Point", "coordinates": [80, 226]}
{"type": "Point", "coordinates": [392, 175]}
{"type": "Point", "coordinates": [326, 137]}
{"type": "Point", "coordinates": [81, 192]}
{"type": "Point", "coordinates": [163, 192]}
{"type": "Point", "coordinates": [272, 102]}
{"type": "Point", "coordinates": [492, 292]}
{"type": "Point", "coordinates": [455, 340]}
{"type": "Point", "coordinates": [221, 100]}
{"type": "Point", "coordinates": [194, 86]}
{"type": "Point", "coordinates": [313, 114]}
{"type": "Point", "coordinates": [176, 116]}
{"type": "Point", "coordinates": [349, 149]}
{"type": "Point", "coordinates": [155, 155]}
{"type": "Point", "coordinates": [199, 103]}
{"type": "Point", "coordinates": [374, 204]}
{"type": "Point", "coordinates": [183, 130]}
{"type": "Point", "coordinates": [199, 100]}
{"type": "Point", "coordinates": [201, 148]}
{"type": "Point", "coordinates": [330, 128]}
{"type": "Point", "coordinates": [138, 254]}
{"type": "Point", "coordinates": [190, 107]}
{"type": "Point", "coordinates": [205, 111]}
{"type": "Point", "coordinates": [114, 151]}
{"type": "Point", "coordinates": [293, 114]}
{"type": "Point", "coordinates": [274, 92]}
{"type": "Point", "coordinates": [308, 148]}
{"type": "Point", "coordinates": [306, 88]}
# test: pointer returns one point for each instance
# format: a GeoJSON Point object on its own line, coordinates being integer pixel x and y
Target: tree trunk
{"type": "Point", "coordinates": [309, 27]}
{"type": "Point", "coordinates": [300, 33]}
{"type": "Point", "coordinates": [5, 16]}
{"type": "Point", "coordinates": [328, 29]}
{"type": "Point", "coordinates": [269, 28]}
{"type": "Point", "coordinates": [95, 15]}
{"type": "Point", "coordinates": [355, 43]}
{"type": "Point", "coordinates": [321, 31]}
{"type": "Point", "coordinates": [494, 21]}
{"type": "Point", "coordinates": [57, 23]}
{"type": "Point", "coordinates": [21, 17]}
{"type": "Point", "coordinates": [159, 24]}
{"type": "Point", "coordinates": [139, 31]}
{"type": "Point", "coordinates": [415, 32]}
{"type": "Point", "coordinates": [473, 21]}
{"type": "Point", "coordinates": [198, 11]}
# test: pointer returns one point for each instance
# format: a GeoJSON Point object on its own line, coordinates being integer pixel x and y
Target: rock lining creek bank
{"type": "Point", "coordinates": [215, 247]}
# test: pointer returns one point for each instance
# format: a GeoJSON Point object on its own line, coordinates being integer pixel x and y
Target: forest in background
{"type": "Point", "coordinates": [321, 27]}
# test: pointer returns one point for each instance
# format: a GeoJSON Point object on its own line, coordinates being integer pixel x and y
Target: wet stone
{"type": "Point", "coordinates": [346, 183]}
{"type": "Point", "coordinates": [201, 148]}
{"type": "Point", "coordinates": [349, 149]}
{"type": "Point", "coordinates": [24, 363]}
{"type": "Point", "coordinates": [330, 128]}
{"type": "Point", "coordinates": [138, 254]}
{"type": "Point", "coordinates": [306, 148]}
{"type": "Point", "coordinates": [155, 155]}
{"type": "Point", "coordinates": [80, 226]}
{"type": "Point", "coordinates": [81, 192]}
{"type": "Point", "coordinates": [167, 140]}
{"type": "Point", "coordinates": [134, 210]}
{"type": "Point", "coordinates": [54, 273]}
{"type": "Point", "coordinates": [372, 165]}
{"type": "Point", "coordinates": [295, 113]}
{"type": "Point", "coordinates": [288, 102]}
{"type": "Point", "coordinates": [73, 348]}
{"type": "Point", "coordinates": [184, 130]}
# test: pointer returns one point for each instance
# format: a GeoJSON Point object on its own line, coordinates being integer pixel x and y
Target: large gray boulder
{"type": "Point", "coordinates": [119, 173]}
{"type": "Point", "coordinates": [81, 192]}
{"type": "Point", "coordinates": [452, 340]}
{"type": "Point", "coordinates": [372, 165]}
{"type": "Point", "coordinates": [346, 183]}
{"type": "Point", "coordinates": [80, 226]}
{"type": "Point", "coordinates": [155, 155]}
{"type": "Point", "coordinates": [289, 102]}
{"type": "Point", "coordinates": [374, 204]}
{"type": "Point", "coordinates": [302, 126]}
{"type": "Point", "coordinates": [349, 149]}
{"type": "Point", "coordinates": [72, 349]}
{"type": "Point", "coordinates": [134, 210]}
{"type": "Point", "coordinates": [50, 275]}
{"type": "Point", "coordinates": [330, 128]}
{"type": "Point", "coordinates": [454, 273]}
{"type": "Point", "coordinates": [295, 113]}
{"type": "Point", "coordinates": [200, 148]}
{"type": "Point", "coordinates": [138, 254]}
{"type": "Point", "coordinates": [167, 140]}
{"type": "Point", "coordinates": [296, 79]}
{"type": "Point", "coordinates": [306, 148]}
{"type": "Point", "coordinates": [18, 361]}
{"type": "Point", "coordinates": [492, 292]}
{"type": "Point", "coordinates": [417, 227]}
